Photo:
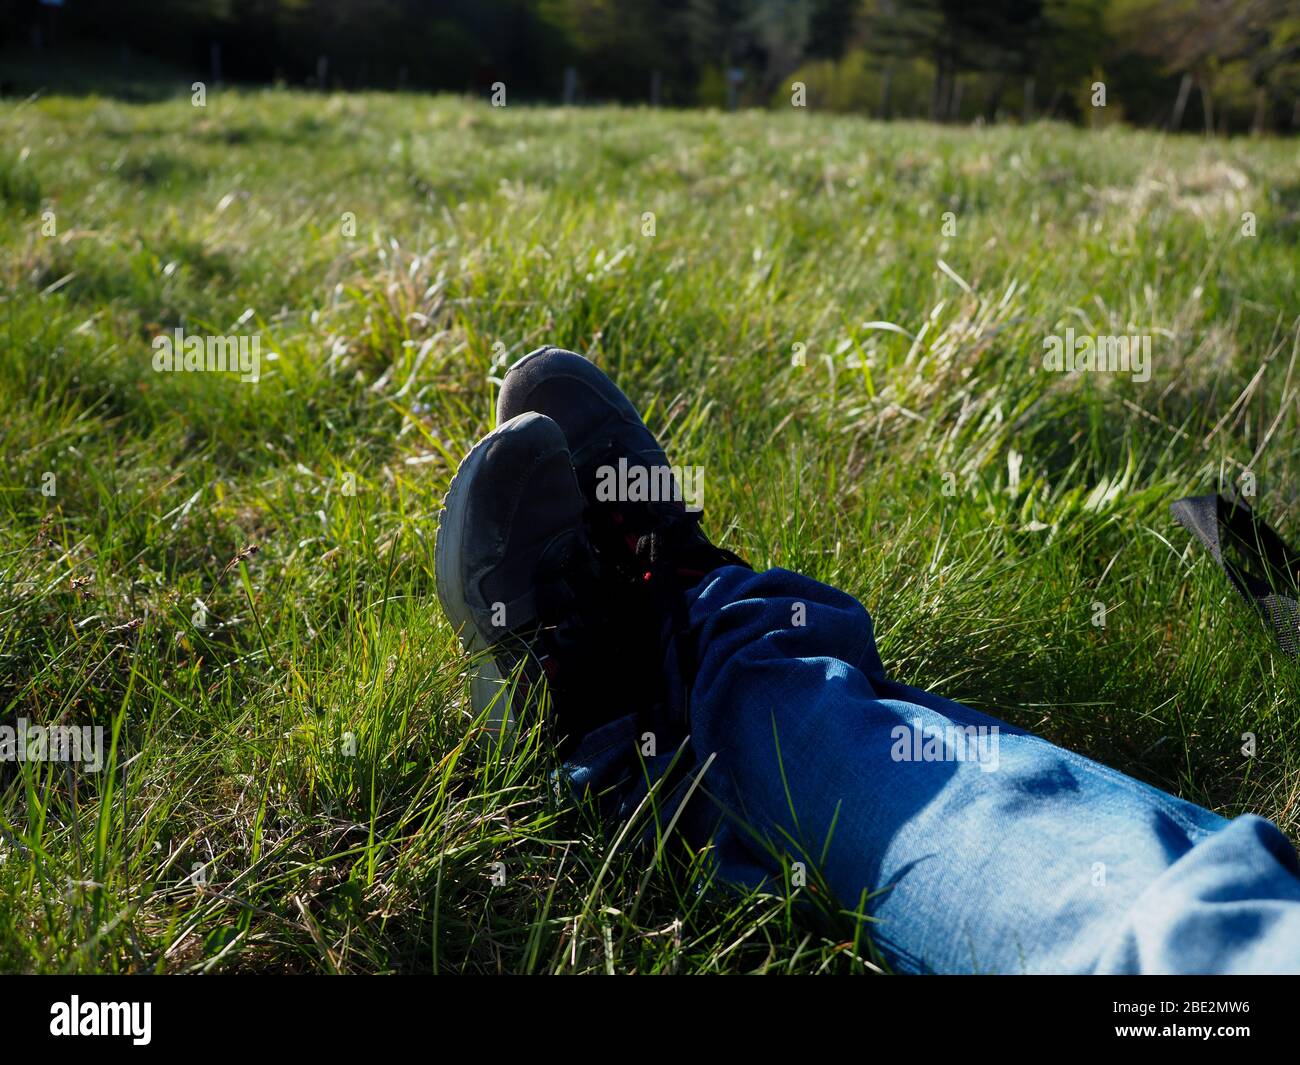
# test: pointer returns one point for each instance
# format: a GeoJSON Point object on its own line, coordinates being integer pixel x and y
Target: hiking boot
{"type": "Point", "coordinates": [519, 583]}
{"type": "Point", "coordinates": [652, 550]}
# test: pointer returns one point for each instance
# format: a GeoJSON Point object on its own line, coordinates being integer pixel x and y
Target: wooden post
{"type": "Point", "coordinates": [734, 78]}
{"type": "Point", "coordinates": [1207, 105]}
{"type": "Point", "coordinates": [939, 88]}
{"type": "Point", "coordinates": [1180, 105]}
{"type": "Point", "coordinates": [995, 98]}
{"type": "Point", "coordinates": [1261, 111]}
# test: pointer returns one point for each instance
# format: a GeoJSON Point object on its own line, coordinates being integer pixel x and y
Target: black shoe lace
{"type": "Point", "coordinates": [676, 547]}
{"type": "Point", "coordinates": [658, 547]}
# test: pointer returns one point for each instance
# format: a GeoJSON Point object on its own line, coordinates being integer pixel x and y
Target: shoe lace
{"type": "Point", "coordinates": [677, 548]}
{"type": "Point", "coordinates": [660, 548]}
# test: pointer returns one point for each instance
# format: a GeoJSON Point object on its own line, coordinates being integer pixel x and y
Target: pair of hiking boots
{"type": "Point", "coordinates": [543, 579]}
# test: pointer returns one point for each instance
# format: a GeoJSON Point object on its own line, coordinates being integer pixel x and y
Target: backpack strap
{"type": "Point", "coordinates": [1258, 562]}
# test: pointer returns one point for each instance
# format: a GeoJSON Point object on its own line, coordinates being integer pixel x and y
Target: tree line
{"type": "Point", "coordinates": [1216, 65]}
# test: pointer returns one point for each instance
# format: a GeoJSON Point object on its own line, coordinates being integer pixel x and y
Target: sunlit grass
{"type": "Point", "coordinates": [295, 786]}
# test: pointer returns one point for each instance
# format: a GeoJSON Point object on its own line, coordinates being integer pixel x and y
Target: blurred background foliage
{"type": "Point", "coordinates": [1215, 65]}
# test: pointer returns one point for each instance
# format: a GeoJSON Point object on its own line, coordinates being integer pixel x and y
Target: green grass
{"type": "Point", "coordinates": [480, 234]}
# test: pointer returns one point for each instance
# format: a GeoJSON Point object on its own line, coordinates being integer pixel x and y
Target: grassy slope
{"type": "Point", "coordinates": [480, 234]}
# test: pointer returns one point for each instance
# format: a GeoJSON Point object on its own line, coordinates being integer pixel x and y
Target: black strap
{"type": "Point", "coordinates": [1253, 556]}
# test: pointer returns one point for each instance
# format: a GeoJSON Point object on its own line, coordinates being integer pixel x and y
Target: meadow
{"type": "Point", "coordinates": [840, 321]}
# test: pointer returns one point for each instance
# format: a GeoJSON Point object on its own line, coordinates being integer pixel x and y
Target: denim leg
{"type": "Point", "coordinates": [976, 850]}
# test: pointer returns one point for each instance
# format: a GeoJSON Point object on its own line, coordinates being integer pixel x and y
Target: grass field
{"type": "Point", "coordinates": [292, 786]}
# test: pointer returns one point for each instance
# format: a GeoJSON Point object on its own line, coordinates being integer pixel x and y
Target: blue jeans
{"type": "Point", "coordinates": [973, 846]}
